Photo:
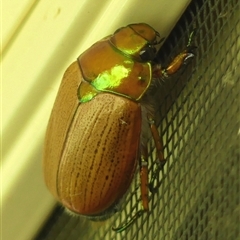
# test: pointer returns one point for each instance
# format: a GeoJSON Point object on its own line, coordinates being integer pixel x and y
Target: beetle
{"type": "Point", "coordinates": [95, 136]}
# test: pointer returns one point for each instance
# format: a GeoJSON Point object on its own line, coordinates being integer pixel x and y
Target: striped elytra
{"type": "Point", "coordinates": [105, 132]}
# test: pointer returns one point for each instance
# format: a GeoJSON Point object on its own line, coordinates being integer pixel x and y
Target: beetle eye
{"type": "Point", "coordinates": [148, 53]}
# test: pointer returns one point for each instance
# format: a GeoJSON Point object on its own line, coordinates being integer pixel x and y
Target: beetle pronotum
{"type": "Point", "coordinates": [94, 138]}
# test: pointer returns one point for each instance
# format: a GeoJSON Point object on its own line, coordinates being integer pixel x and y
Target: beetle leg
{"type": "Point", "coordinates": [143, 162]}
{"type": "Point", "coordinates": [144, 176]}
{"type": "Point", "coordinates": [159, 147]}
{"type": "Point", "coordinates": [177, 62]}
{"type": "Point", "coordinates": [127, 224]}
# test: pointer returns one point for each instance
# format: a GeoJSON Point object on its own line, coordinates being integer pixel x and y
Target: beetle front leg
{"type": "Point", "coordinates": [177, 62]}
{"type": "Point", "coordinates": [174, 66]}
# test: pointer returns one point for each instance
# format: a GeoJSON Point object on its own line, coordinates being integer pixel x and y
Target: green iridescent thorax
{"type": "Point", "coordinates": [111, 78]}
{"type": "Point", "coordinates": [114, 65]}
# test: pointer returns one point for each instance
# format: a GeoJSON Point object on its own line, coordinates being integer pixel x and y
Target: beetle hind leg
{"type": "Point", "coordinates": [143, 164]}
{"type": "Point", "coordinates": [145, 185]}
{"type": "Point", "coordinates": [144, 176]}
{"type": "Point", "coordinates": [127, 224]}
{"type": "Point", "coordinates": [159, 150]}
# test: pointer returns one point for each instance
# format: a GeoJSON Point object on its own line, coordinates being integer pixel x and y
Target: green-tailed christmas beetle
{"type": "Point", "coordinates": [95, 135]}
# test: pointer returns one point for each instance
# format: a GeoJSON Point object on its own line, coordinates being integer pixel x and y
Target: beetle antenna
{"type": "Point", "coordinates": [127, 224]}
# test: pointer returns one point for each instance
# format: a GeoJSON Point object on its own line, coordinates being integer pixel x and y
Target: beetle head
{"type": "Point", "coordinates": [136, 41]}
{"type": "Point", "coordinates": [145, 31]}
